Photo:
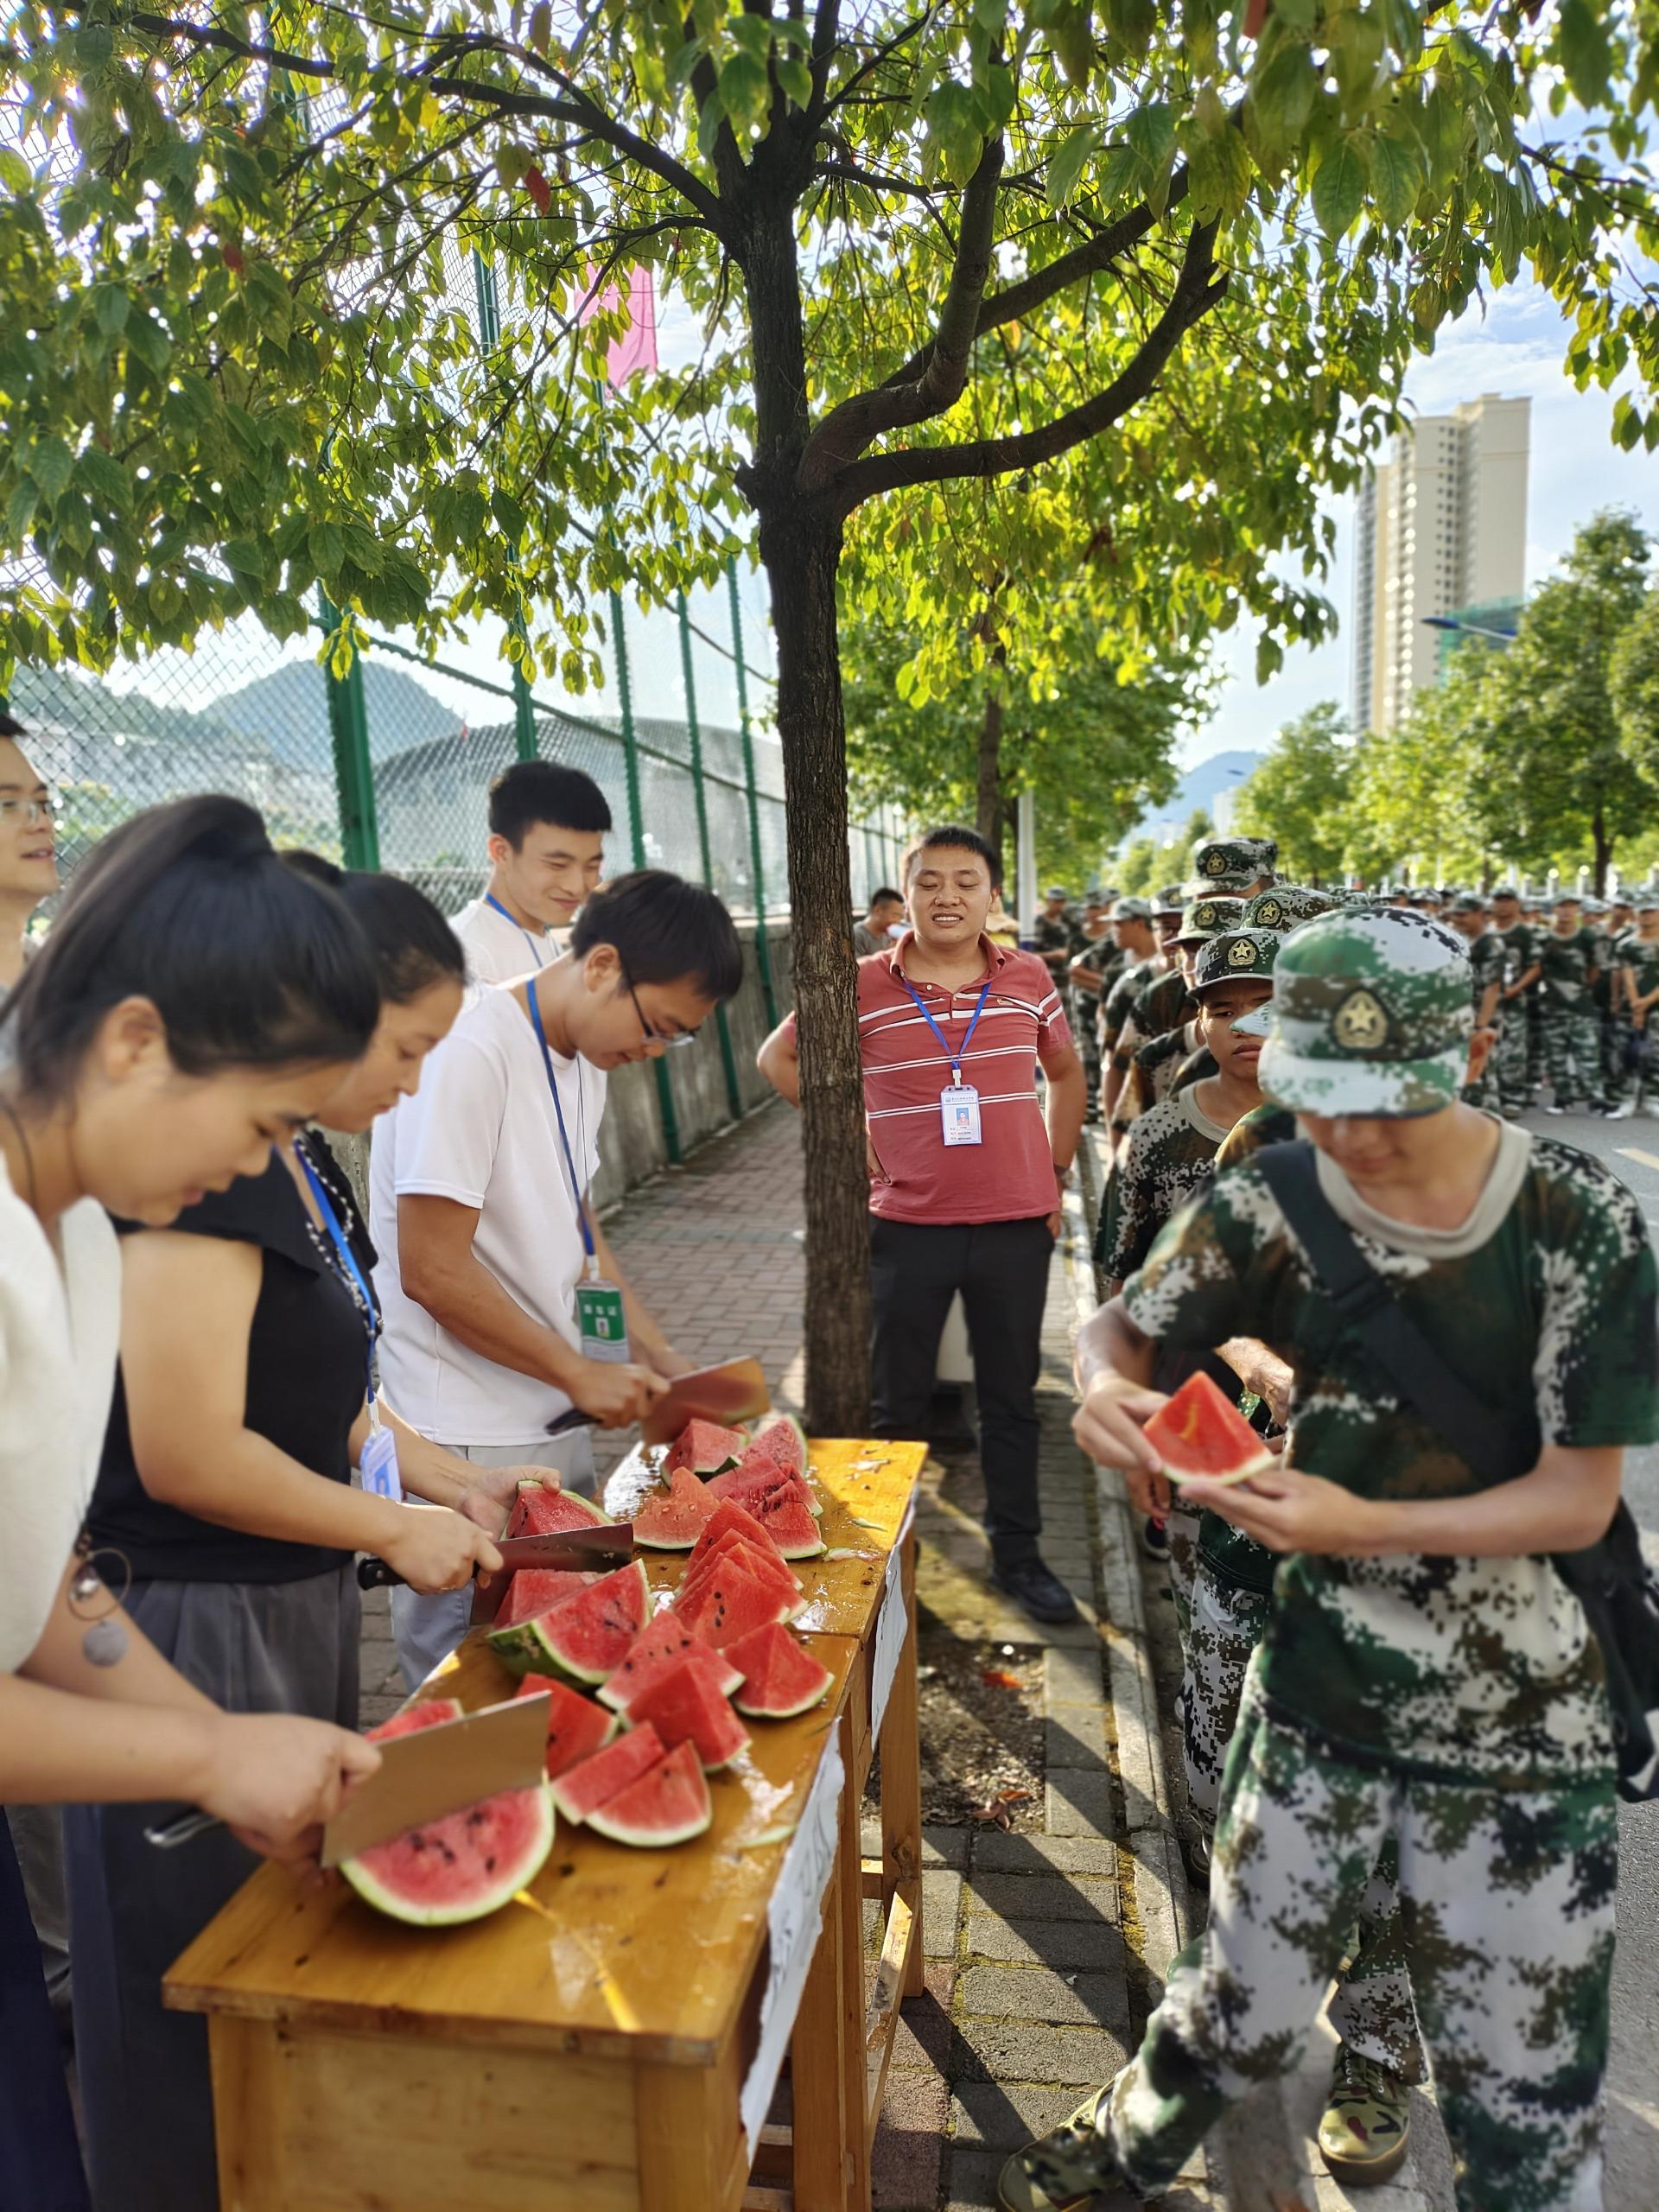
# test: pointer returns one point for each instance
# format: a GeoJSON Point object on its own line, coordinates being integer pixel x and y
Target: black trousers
{"type": "Point", "coordinates": [39, 2159]}
{"type": "Point", "coordinates": [1001, 1270]}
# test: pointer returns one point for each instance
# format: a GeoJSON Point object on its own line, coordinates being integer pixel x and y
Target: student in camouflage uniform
{"type": "Point", "coordinates": [1538, 914]}
{"type": "Point", "coordinates": [1121, 1031]}
{"type": "Point", "coordinates": [1381, 1705]}
{"type": "Point", "coordinates": [1567, 962]}
{"type": "Point", "coordinates": [1239, 865]}
{"type": "Point", "coordinates": [1468, 917]}
{"type": "Point", "coordinates": [1055, 939]}
{"type": "Point", "coordinates": [1154, 1067]}
{"type": "Point", "coordinates": [1137, 938]}
{"type": "Point", "coordinates": [1511, 1073]}
{"type": "Point", "coordinates": [1095, 966]}
{"type": "Point", "coordinates": [1637, 955]}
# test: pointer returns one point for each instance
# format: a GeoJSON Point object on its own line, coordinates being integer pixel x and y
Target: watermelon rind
{"type": "Point", "coordinates": [673, 1521]}
{"type": "Point", "coordinates": [430, 1713]}
{"type": "Point", "coordinates": [539, 1510]}
{"type": "Point", "coordinates": [780, 1677]}
{"type": "Point", "coordinates": [704, 1447]}
{"type": "Point", "coordinates": [385, 1876]}
{"type": "Point", "coordinates": [669, 1804]}
{"type": "Point", "coordinates": [1218, 1447]}
{"type": "Point", "coordinates": [583, 1788]}
{"type": "Point", "coordinates": [584, 1637]}
{"type": "Point", "coordinates": [576, 1726]}
{"type": "Point", "coordinates": [682, 1704]}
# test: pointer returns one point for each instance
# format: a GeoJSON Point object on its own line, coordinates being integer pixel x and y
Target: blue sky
{"type": "Point", "coordinates": [1515, 347]}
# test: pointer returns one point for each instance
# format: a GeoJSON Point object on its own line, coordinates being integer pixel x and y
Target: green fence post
{"type": "Point", "coordinates": [349, 725]}
{"type": "Point", "coordinates": [489, 331]}
{"type": "Point", "coordinates": [728, 1059]}
{"type": "Point", "coordinates": [762, 940]}
{"type": "Point", "coordinates": [637, 836]}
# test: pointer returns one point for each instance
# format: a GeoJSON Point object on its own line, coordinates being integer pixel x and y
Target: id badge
{"type": "Point", "coordinates": [601, 1320]}
{"type": "Point", "coordinates": [959, 1113]}
{"type": "Point", "coordinates": [379, 1464]}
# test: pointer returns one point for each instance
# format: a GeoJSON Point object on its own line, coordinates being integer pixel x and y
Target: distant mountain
{"type": "Point", "coordinates": [1200, 788]}
{"type": "Point", "coordinates": [288, 710]}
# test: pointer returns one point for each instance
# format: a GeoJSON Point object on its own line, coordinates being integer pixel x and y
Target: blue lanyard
{"type": "Point", "coordinates": [960, 1053]}
{"type": "Point", "coordinates": [490, 900]}
{"type": "Point", "coordinates": [348, 1260]}
{"type": "Point", "coordinates": [564, 1139]}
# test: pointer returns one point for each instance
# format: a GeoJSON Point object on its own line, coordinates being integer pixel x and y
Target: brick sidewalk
{"type": "Point", "coordinates": [1041, 1948]}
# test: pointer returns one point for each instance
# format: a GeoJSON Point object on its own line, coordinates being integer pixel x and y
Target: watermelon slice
{"type": "Point", "coordinates": [683, 1707]}
{"type": "Point", "coordinates": [729, 1517]}
{"type": "Point", "coordinates": [536, 1590]}
{"type": "Point", "coordinates": [668, 1804]}
{"type": "Point", "coordinates": [780, 1677]}
{"type": "Point", "coordinates": [464, 1865]}
{"type": "Point", "coordinates": [427, 1714]}
{"type": "Point", "coordinates": [580, 1789]}
{"type": "Point", "coordinates": [728, 1603]}
{"type": "Point", "coordinates": [1200, 1435]}
{"type": "Point", "coordinates": [703, 1447]}
{"type": "Point", "coordinates": [712, 1668]}
{"type": "Point", "coordinates": [585, 1636]}
{"type": "Point", "coordinates": [778, 1500]}
{"type": "Point", "coordinates": [665, 1640]}
{"type": "Point", "coordinates": [757, 1476]}
{"type": "Point", "coordinates": [673, 1523]}
{"type": "Point", "coordinates": [577, 1727]}
{"type": "Point", "coordinates": [765, 1567]}
{"type": "Point", "coordinates": [539, 1511]}
{"type": "Point", "coordinates": [783, 1439]}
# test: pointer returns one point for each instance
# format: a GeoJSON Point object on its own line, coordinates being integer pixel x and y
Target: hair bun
{"type": "Point", "coordinates": [315, 869]}
{"type": "Point", "coordinates": [224, 828]}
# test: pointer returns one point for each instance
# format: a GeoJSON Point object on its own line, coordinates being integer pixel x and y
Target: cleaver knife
{"type": "Point", "coordinates": [421, 1778]}
{"type": "Point", "coordinates": [734, 1390]}
{"type": "Point", "coordinates": [604, 1545]}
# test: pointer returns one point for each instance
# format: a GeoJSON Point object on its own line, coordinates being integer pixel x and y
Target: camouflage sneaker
{"type": "Point", "coordinates": [1070, 2167]}
{"type": "Point", "coordinates": [1365, 2128]}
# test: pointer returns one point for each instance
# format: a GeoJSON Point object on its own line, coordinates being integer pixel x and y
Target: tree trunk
{"type": "Point", "coordinates": [1603, 849]}
{"type": "Point", "coordinates": [987, 795]}
{"type": "Point", "coordinates": [801, 555]}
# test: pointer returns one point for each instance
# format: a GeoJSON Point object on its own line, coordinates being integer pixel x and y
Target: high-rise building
{"type": "Point", "coordinates": [1440, 524]}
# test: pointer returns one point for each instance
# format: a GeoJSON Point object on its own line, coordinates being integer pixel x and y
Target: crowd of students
{"type": "Point", "coordinates": [202, 1342]}
{"type": "Point", "coordinates": [1401, 1754]}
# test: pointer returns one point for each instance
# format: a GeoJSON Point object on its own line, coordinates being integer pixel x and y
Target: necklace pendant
{"type": "Point", "coordinates": [103, 1643]}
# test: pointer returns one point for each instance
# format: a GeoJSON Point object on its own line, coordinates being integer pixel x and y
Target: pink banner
{"type": "Point", "coordinates": [637, 347]}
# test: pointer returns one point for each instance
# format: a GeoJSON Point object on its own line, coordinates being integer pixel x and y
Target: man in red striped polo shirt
{"type": "Point", "coordinates": [966, 1170]}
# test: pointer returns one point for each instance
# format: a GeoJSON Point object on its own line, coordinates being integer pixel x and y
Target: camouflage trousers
{"type": "Point", "coordinates": [1509, 1073]}
{"type": "Point", "coordinates": [1371, 2010]}
{"type": "Point", "coordinates": [1183, 1524]}
{"type": "Point", "coordinates": [1572, 1052]}
{"type": "Point", "coordinates": [1507, 1920]}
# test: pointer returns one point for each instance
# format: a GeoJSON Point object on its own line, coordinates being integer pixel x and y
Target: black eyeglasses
{"type": "Point", "coordinates": [656, 1036]}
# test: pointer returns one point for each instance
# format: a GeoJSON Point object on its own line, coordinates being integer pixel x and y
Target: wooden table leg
{"type": "Point", "coordinates": [680, 2159]}
{"type": "Point", "coordinates": [822, 2124]}
{"type": "Point", "coordinates": [901, 1780]}
{"type": "Point", "coordinates": [852, 2053]}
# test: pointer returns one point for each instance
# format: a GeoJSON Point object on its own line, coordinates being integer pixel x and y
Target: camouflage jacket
{"type": "Point", "coordinates": [1479, 1669]}
{"type": "Point", "coordinates": [1125, 991]}
{"type": "Point", "coordinates": [1168, 1152]}
{"type": "Point", "coordinates": [1487, 963]}
{"type": "Point", "coordinates": [1643, 962]}
{"type": "Point", "coordinates": [1567, 962]}
{"type": "Point", "coordinates": [1520, 950]}
{"type": "Point", "coordinates": [1162, 1006]}
{"type": "Point", "coordinates": [1155, 1065]}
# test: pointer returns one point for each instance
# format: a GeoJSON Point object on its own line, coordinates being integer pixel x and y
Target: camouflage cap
{"type": "Point", "coordinates": [1231, 863]}
{"type": "Point", "coordinates": [1223, 959]}
{"type": "Point", "coordinates": [1131, 910]}
{"type": "Point", "coordinates": [1170, 900]}
{"type": "Point", "coordinates": [1285, 906]}
{"type": "Point", "coordinates": [1505, 891]}
{"type": "Point", "coordinates": [1370, 1015]}
{"type": "Point", "coordinates": [1202, 918]}
{"type": "Point", "coordinates": [1057, 890]}
{"type": "Point", "coordinates": [1468, 902]}
{"type": "Point", "coordinates": [1646, 900]}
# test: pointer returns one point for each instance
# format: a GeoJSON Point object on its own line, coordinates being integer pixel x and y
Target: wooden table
{"type": "Point", "coordinates": [585, 2048]}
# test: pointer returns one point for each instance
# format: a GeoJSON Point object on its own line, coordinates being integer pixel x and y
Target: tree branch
{"type": "Point", "coordinates": [847, 429]}
{"type": "Point", "coordinates": [1196, 293]}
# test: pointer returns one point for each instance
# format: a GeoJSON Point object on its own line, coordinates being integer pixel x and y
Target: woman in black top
{"type": "Point", "coordinates": [247, 1336]}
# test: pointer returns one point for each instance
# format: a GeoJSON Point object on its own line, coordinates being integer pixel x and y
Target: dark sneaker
{"type": "Point", "coordinates": [1364, 2130]}
{"type": "Point", "coordinates": [1154, 1537]}
{"type": "Point", "coordinates": [1036, 1589]}
{"type": "Point", "coordinates": [1068, 2168]}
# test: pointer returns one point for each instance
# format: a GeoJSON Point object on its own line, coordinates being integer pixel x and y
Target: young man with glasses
{"type": "Point", "coordinates": [504, 1310]}
{"type": "Point", "coordinates": [28, 867]}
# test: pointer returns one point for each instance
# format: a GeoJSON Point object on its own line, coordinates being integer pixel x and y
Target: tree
{"type": "Point", "coordinates": [1633, 680]}
{"type": "Point", "coordinates": [1299, 795]}
{"type": "Point", "coordinates": [1413, 803]}
{"type": "Point", "coordinates": [934, 254]}
{"type": "Point", "coordinates": [1150, 865]}
{"type": "Point", "coordinates": [1094, 750]}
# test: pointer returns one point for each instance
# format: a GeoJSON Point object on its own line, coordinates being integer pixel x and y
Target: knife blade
{"type": "Point", "coordinates": [732, 1390]}
{"type": "Point", "coordinates": [605, 1544]}
{"type": "Point", "coordinates": [421, 1778]}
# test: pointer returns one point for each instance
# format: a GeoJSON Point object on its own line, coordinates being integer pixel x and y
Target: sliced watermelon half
{"type": "Point", "coordinates": [730, 1518]}
{"type": "Point", "coordinates": [427, 1714]}
{"type": "Point", "coordinates": [536, 1590]}
{"type": "Point", "coordinates": [683, 1707]}
{"type": "Point", "coordinates": [585, 1636]}
{"type": "Point", "coordinates": [663, 1641]}
{"type": "Point", "coordinates": [783, 1439]}
{"type": "Point", "coordinates": [577, 1727]}
{"type": "Point", "coordinates": [780, 1676]}
{"type": "Point", "coordinates": [539, 1511]}
{"type": "Point", "coordinates": [1201, 1436]}
{"type": "Point", "coordinates": [730, 1603]}
{"type": "Point", "coordinates": [669, 1803]}
{"type": "Point", "coordinates": [737, 1551]}
{"type": "Point", "coordinates": [672, 1523]}
{"type": "Point", "coordinates": [778, 1500]}
{"type": "Point", "coordinates": [703, 1447]}
{"type": "Point", "coordinates": [583, 1788]}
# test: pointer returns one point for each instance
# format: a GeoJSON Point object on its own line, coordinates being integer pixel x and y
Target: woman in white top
{"type": "Point", "coordinates": [195, 1002]}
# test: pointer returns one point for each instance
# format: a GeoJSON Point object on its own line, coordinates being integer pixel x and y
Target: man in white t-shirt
{"type": "Point", "coordinates": [479, 1201]}
{"type": "Point", "coordinates": [28, 867]}
{"type": "Point", "coordinates": [546, 847]}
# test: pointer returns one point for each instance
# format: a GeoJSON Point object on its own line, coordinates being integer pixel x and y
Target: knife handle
{"type": "Point", "coordinates": [167, 1835]}
{"type": "Point", "coordinates": [375, 1573]}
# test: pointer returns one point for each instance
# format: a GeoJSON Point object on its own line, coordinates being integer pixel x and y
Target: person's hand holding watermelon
{"type": "Point", "coordinates": [1108, 1425]}
{"type": "Point", "coordinates": [1289, 1511]}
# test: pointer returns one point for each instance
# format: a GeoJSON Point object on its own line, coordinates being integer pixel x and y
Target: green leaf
{"type": "Point", "coordinates": [509, 515]}
{"type": "Point", "coordinates": [15, 172]}
{"type": "Point", "coordinates": [101, 474]}
{"type": "Point", "coordinates": [52, 464]}
{"type": "Point", "coordinates": [1586, 51]}
{"type": "Point", "coordinates": [244, 557]}
{"type": "Point", "coordinates": [1067, 164]}
{"type": "Point", "coordinates": [1151, 131]}
{"type": "Point", "coordinates": [1398, 172]}
{"type": "Point", "coordinates": [110, 306]}
{"type": "Point", "coordinates": [744, 89]}
{"type": "Point", "coordinates": [1338, 191]}
{"type": "Point", "coordinates": [1281, 95]}
{"type": "Point", "coordinates": [795, 75]}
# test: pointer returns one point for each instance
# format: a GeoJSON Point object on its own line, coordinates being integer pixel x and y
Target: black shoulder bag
{"type": "Point", "coordinates": [1610, 1579]}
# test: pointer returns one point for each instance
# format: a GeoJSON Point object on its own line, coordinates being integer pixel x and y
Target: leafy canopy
{"type": "Point", "coordinates": [928, 253]}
